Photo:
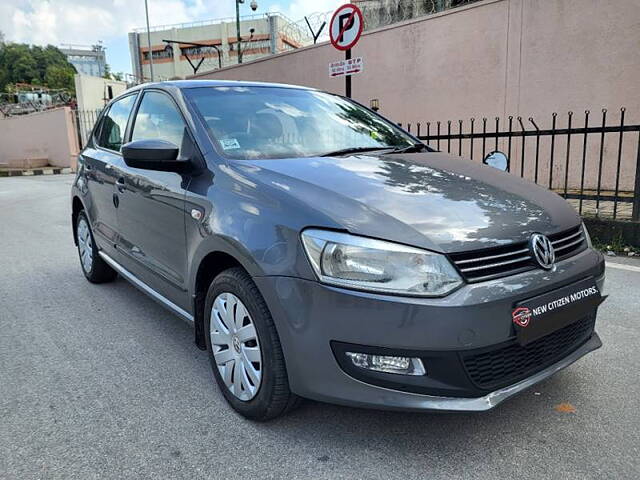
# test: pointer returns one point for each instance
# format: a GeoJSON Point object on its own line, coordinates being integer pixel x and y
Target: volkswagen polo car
{"type": "Point", "coordinates": [321, 252]}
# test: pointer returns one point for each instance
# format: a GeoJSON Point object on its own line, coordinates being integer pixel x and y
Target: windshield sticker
{"type": "Point", "coordinates": [229, 143]}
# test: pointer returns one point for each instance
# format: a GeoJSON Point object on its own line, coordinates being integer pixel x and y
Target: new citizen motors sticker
{"type": "Point", "coordinates": [541, 315]}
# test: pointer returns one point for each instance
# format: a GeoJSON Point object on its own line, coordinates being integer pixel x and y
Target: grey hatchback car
{"type": "Point", "coordinates": [322, 252]}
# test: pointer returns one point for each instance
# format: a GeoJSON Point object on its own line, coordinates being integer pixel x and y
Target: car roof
{"type": "Point", "coordinates": [186, 84]}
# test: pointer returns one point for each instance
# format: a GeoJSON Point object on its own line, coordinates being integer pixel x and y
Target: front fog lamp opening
{"type": "Point", "coordinates": [387, 363]}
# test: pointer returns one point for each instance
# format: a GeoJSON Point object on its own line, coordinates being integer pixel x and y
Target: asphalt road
{"type": "Point", "coordinates": [98, 381]}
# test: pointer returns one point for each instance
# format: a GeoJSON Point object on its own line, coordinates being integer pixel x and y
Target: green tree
{"type": "Point", "coordinates": [58, 76]}
{"type": "Point", "coordinates": [48, 66]}
{"type": "Point", "coordinates": [108, 74]}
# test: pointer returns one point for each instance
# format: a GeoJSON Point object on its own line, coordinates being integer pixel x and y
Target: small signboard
{"type": "Point", "coordinates": [346, 67]}
{"type": "Point", "coordinates": [346, 26]}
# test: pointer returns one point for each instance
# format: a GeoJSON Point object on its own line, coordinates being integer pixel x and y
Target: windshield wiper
{"type": "Point", "coordinates": [416, 147]}
{"type": "Point", "coordinates": [345, 151]}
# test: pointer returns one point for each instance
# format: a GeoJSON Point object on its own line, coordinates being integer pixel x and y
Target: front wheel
{"type": "Point", "coordinates": [95, 269]}
{"type": "Point", "coordinates": [244, 348]}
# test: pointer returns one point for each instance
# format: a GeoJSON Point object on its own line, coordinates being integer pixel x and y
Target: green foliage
{"type": "Point", "coordinates": [47, 66]}
{"type": "Point", "coordinates": [108, 74]}
{"type": "Point", "coordinates": [616, 245]}
{"type": "Point", "coordinates": [58, 76]}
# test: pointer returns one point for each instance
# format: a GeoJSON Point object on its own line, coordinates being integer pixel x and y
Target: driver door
{"type": "Point", "coordinates": [151, 215]}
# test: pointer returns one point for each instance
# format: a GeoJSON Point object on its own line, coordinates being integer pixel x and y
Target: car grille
{"type": "Point", "coordinates": [486, 264]}
{"type": "Point", "coordinates": [513, 362]}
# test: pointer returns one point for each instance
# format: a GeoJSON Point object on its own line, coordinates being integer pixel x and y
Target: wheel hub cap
{"type": "Point", "coordinates": [85, 246]}
{"type": "Point", "coordinates": [235, 345]}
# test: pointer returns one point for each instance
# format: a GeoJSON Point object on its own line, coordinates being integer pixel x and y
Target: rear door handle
{"type": "Point", "coordinates": [120, 185]}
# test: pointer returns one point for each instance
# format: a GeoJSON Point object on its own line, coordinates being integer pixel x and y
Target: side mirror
{"type": "Point", "coordinates": [153, 155]}
{"type": "Point", "coordinates": [497, 160]}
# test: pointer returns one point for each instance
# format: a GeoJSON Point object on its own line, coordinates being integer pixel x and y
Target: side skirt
{"type": "Point", "coordinates": [146, 288]}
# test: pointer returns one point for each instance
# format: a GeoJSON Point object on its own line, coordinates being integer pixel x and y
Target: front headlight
{"type": "Point", "coordinates": [375, 265]}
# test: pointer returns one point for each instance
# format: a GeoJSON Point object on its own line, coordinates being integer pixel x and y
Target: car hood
{"type": "Point", "coordinates": [430, 200]}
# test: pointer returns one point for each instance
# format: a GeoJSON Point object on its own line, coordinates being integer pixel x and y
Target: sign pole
{"type": "Point", "coordinates": [347, 78]}
{"type": "Point", "coordinates": [345, 29]}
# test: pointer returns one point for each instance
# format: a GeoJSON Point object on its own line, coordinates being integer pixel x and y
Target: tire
{"type": "Point", "coordinates": [95, 269]}
{"type": "Point", "coordinates": [230, 347]}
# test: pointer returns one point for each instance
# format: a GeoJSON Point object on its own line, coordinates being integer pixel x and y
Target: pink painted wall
{"type": "Point", "coordinates": [493, 58]}
{"type": "Point", "coordinates": [39, 139]}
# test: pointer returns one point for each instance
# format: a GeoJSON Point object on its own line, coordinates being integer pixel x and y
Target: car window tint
{"type": "Point", "coordinates": [158, 118]}
{"type": "Point", "coordinates": [114, 123]}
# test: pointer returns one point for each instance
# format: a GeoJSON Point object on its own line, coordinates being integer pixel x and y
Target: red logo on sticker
{"type": "Point", "coordinates": [521, 316]}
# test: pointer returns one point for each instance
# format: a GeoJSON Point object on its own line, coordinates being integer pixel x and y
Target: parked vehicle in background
{"type": "Point", "coordinates": [322, 252]}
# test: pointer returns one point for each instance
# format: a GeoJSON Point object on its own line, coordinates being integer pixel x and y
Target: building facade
{"type": "Point", "coordinates": [261, 35]}
{"type": "Point", "coordinates": [87, 59]}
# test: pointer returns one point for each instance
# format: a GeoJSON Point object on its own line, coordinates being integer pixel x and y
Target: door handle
{"type": "Point", "coordinates": [120, 185]}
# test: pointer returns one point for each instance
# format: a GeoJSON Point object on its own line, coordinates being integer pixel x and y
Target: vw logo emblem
{"type": "Point", "coordinates": [542, 251]}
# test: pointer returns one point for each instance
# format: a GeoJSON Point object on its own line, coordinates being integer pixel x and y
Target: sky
{"type": "Point", "coordinates": [85, 22]}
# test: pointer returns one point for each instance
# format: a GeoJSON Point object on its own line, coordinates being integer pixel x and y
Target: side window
{"type": "Point", "coordinates": [114, 123]}
{"type": "Point", "coordinates": [158, 118]}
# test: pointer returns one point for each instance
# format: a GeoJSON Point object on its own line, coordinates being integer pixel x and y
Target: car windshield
{"type": "Point", "coordinates": [275, 122]}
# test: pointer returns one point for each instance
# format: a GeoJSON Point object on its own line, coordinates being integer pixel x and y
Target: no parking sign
{"type": "Point", "coordinates": [346, 26]}
{"type": "Point", "coordinates": [345, 30]}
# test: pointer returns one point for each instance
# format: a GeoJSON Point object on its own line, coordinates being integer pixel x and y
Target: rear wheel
{"type": "Point", "coordinates": [244, 348]}
{"type": "Point", "coordinates": [95, 269]}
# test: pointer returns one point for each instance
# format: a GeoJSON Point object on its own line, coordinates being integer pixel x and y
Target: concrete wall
{"type": "Point", "coordinates": [93, 93]}
{"type": "Point", "coordinates": [524, 58]}
{"type": "Point", "coordinates": [39, 139]}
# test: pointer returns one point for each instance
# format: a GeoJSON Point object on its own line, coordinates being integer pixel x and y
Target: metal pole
{"type": "Point", "coordinates": [146, 10]}
{"type": "Point", "coordinates": [238, 30]}
{"type": "Point", "coordinates": [347, 78]}
{"type": "Point", "coordinates": [635, 213]}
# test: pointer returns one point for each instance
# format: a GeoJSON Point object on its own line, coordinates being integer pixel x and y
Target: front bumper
{"type": "Point", "coordinates": [389, 399]}
{"type": "Point", "coordinates": [313, 318]}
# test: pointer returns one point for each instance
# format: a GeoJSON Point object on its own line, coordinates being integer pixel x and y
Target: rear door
{"type": "Point", "coordinates": [102, 165]}
{"type": "Point", "coordinates": [151, 216]}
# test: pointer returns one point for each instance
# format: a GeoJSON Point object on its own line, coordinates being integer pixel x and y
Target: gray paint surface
{"type": "Point", "coordinates": [101, 382]}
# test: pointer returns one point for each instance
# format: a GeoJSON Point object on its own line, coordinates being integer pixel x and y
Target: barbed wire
{"type": "Point", "coordinates": [376, 13]}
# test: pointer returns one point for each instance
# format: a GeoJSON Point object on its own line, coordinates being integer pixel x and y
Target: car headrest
{"type": "Point", "coordinates": [266, 125]}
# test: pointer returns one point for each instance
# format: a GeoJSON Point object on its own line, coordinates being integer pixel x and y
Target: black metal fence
{"type": "Point", "coordinates": [593, 164]}
{"type": "Point", "coordinates": [84, 121]}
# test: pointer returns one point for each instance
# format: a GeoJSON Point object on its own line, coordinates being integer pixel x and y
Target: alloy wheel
{"type": "Point", "coordinates": [235, 346]}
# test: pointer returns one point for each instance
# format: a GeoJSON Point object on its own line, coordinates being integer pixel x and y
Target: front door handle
{"type": "Point", "coordinates": [120, 185]}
